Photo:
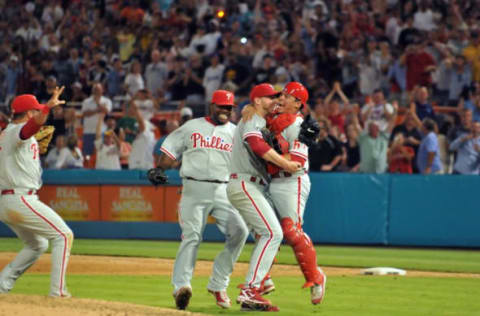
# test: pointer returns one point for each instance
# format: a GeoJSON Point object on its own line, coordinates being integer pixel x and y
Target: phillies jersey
{"type": "Point", "coordinates": [19, 160]}
{"type": "Point", "coordinates": [243, 160]}
{"type": "Point", "coordinates": [295, 146]}
{"type": "Point", "coordinates": [204, 148]}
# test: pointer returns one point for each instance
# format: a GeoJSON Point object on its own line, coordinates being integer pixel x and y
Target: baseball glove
{"type": "Point", "coordinates": [271, 140]}
{"type": "Point", "coordinates": [43, 137]}
{"type": "Point", "coordinates": [157, 176]}
{"type": "Point", "coordinates": [309, 131]}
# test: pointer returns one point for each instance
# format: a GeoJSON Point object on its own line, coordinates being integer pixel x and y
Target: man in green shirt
{"type": "Point", "coordinates": [373, 145]}
{"type": "Point", "coordinates": [129, 124]}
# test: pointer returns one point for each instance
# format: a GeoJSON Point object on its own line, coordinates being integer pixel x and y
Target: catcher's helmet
{"type": "Point", "coordinates": [297, 90]}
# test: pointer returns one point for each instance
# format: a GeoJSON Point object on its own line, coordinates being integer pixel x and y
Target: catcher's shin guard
{"type": "Point", "coordinates": [304, 251]}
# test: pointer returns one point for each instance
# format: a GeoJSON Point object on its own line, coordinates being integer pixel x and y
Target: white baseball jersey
{"type": "Point", "coordinates": [241, 162]}
{"type": "Point", "coordinates": [294, 145]}
{"type": "Point", "coordinates": [19, 160]}
{"type": "Point", "coordinates": [204, 148]}
{"type": "Point", "coordinates": [32, 221]}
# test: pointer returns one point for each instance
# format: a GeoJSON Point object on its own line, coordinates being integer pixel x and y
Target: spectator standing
{"type": "Point", "coordinates": [378, 111]}
{"type": "Point", "coordinates": [411, 136]}
{"type": "Point", "coordinates": [351, 151]}
{"type": "Point", "coordinates": [14, 70]}
{"type": "Point", "coordinates": [428, 157]}
{"type": "Point", "coordinates": [145, 103]}
{"type": "Point", "coordinates": [336, 113]}
{"type": "Point", "coordinates": [70, 156]}
{"type": "Point", "coordinates": [125, 147]}
{"type": "Point", "coordinates": [473, 105]}
{"type": "Point", "coordinates": [467, 147]}
{"type": "Point", "coordinates": [141, 156]}
{"type": "Point", "coordinates": [108, 148]}
{"type": "Point", "coordinates": [326, 153]}
{"type": "Point", "coordinates": [94, 108]}
{"type": "Point", "coordinates": [156, 74]}
{"type": "Point", "coordinates": [193, 81]}
{"type": "Point", "coordinates": [115, 79]}
{"type": "Point", "coordinates": [400, 156]}
{"type": "Point", "coordinates": [54, 153]}
{"type": "Point", "coordinates": [373, 144]}
{"type": "Point", "coordinates": [419, 65]}
{"type": "Point", "coordinates": [134, 80]}
{"type": "Point", "coordinates": [213, 77]}
{"type": "Point", "coordinates": [472, 53]}
{"type": "Point", "coordinates": [460, 80]}
{"type": "Point", "coordinates": [422, 107]}
{"type": "Point", "coordinates": [129, 124]}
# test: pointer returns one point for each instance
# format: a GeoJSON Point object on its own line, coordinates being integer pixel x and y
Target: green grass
{"type": "Point", "coordinates": [417, 259]}
{"type": "Point", "coordinates": [359, 295]}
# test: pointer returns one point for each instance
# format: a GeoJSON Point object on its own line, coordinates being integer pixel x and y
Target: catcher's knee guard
{"type": "Point", "coordinates": [304, 251]}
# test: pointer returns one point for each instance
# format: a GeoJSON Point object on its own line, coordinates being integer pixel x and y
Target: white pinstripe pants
{"type": "Point", "coordinates": [35, 224]}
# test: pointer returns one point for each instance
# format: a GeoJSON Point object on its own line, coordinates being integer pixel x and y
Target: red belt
{"type": "Point", "coordinates": [285, 174]}
{"type": "Point", "coordinates": [12, 191]}
{"type": "Point", "coordinates": [251, 179]}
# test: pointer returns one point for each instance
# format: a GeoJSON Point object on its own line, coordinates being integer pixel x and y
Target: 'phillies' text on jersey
{"type": "Point", "coordinates": [214, 142]}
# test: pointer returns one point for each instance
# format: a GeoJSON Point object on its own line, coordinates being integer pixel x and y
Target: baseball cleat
{"type": "Point", "coordinates": [317, 291]}
{"type": "Point", "coordinates": [245, 307]}
{"type": "Point", "coordinates": [267, 287]}
{"type": "Point", "coordinates": [251, 296]}
{"type": "Point", "coordinates": [222, 298]}
{"type": "Point", "coordinates": [182, 297]}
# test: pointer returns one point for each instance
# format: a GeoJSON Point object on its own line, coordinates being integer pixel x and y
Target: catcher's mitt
{"type": "Point", "coordinates": [157, 176]}
{"type": "Point", "coordinates": [43, 137]}
{"type": "Point", "coordinates": [309, 131]}
{"type": "Point", "coordinates": [271, 140]}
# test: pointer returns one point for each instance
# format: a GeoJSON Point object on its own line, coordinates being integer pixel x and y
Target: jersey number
{"type": "Point", "coordinates": [34, 148]}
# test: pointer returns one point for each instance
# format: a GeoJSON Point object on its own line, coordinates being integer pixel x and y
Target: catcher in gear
{"type": "Point", "coordinates": [44, 137]}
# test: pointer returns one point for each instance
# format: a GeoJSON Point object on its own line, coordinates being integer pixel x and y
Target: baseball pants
{"type": "Point", "coordinates": [200, 199]}
{"type": "Point", "coordinates": [290, 195]}
{"type": "Point", "coordinates": [35, 224]}
{"type": "Point", "coordinates": [249, 199]}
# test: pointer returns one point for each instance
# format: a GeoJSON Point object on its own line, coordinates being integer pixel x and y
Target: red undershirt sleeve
{"type": "Point", "coordinates": [258, 145]}
{"type": "Point", "coordinates": [299, 159]}
{"type": "Point", "coordinates": [29, 129]}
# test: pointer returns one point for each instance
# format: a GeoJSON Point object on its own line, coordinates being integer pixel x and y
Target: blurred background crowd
{"type": "Point", "coordinates": [394, 84]}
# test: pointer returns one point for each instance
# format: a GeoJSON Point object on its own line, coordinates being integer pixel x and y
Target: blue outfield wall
{"type": "Point", "coordinates": [397, 210]}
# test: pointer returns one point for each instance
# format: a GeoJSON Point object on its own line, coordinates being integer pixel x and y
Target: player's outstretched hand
{"type": "Point", "coordinates": [292, 166]}
{"type": "Point", "coordinates": [54, 101]}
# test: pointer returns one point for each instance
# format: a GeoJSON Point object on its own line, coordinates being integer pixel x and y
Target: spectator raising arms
{"type": "Point", "coordinates": [94, 109]}
{"type": "Point", "coordinates": [108, 148]}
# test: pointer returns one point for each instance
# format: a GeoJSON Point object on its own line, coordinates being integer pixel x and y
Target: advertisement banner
{"type": "Point", "coordinates": [131, 203]}
{"type": "Point", "coordinates": [73, 202]}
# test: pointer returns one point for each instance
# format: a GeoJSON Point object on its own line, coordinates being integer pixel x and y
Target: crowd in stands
{"type": "Point", "coordinates": [394, 84]}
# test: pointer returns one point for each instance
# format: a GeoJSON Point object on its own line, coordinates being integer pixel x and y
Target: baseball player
{"type": "Point", "coordinates": [204, 146]}
{"type": "Point", "coordinates": [289, 191]}
{"type": "Point", "coordinates": [246, 190]}
{"type": "Point", "coordinates": [20, 177]}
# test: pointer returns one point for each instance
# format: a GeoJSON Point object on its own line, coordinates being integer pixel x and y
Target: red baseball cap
{"type": "Point", "coordinates": [297, 90]}
{"type": "Point", "coordinates": [262, 90]}
{"type": "Point", "coordinates": [223, 97]}
{"type": "Point", "coordinates": [26, 102]}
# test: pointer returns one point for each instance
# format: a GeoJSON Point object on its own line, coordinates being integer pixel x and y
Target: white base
{"type": "Point", "coordinates": [383, 271]}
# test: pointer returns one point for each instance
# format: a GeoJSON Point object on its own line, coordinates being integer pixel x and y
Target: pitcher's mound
{"type": "Point", "coordinates": [14, 304]}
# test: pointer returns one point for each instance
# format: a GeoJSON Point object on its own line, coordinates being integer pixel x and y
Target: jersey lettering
{"type": "Point", "coordinates": [34, 148]}
{"type": "Point", "coordinates": [213, 142]}
{"type": "Point", "coordinates": [296, 144]}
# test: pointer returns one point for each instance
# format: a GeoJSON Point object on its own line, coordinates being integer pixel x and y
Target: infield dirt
{"type": "Point", "coordinates": [39, 305]}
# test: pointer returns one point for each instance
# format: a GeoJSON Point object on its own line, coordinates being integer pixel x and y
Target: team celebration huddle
{"type": "Point", "coordinates": [252, 178]}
